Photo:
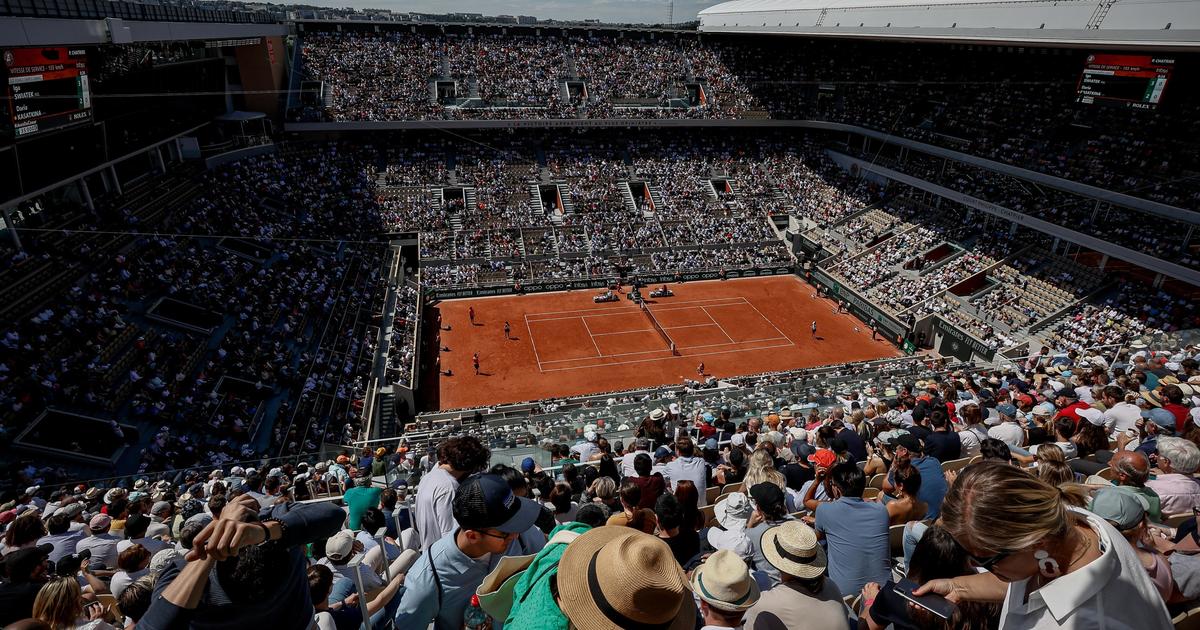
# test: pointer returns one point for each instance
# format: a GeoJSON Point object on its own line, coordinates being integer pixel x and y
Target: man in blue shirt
{"type": "Point", "coordinates": [933, 480]}
{"type": "Point", "coordinates": [439, 586]}
{"type": "Point", "coordinates": [855, 531]}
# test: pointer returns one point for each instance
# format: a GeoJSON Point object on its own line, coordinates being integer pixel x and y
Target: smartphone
{"type": "Point", "coordinates": [935, 604]}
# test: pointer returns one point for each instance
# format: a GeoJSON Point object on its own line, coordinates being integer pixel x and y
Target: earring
{"type": "Point", "coordinates": [1046, 565]}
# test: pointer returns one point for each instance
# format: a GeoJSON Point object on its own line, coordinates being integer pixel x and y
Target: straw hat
{"type": "Point", "coordinates": [724, 582]}
{"type": "Point", "coordinates": [1153, 398]}
{"type": "Point", "coordinates": [626, 579]}
{"type": "Point", "coordinates": [793, 549]}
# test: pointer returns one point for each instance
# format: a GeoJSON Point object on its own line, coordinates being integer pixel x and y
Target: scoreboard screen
{"type": "Point", "coordinates": [46, 88]}
{"type": "Point", "coordinates": [1135, 81]}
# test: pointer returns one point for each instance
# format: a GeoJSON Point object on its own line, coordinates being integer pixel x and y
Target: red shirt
{"type": "Point", "coordinates": [1181, 415]}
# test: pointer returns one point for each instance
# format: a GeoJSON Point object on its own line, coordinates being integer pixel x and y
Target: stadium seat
{"type": "Point", "coordinates": [711, 494]}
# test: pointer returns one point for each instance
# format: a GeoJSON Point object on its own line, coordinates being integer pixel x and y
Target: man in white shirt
{"type": "Point", "coordinates": [687, 466]}
{"type": "Point", "coordinates": [585, 449]}
{"type": "Point", "coordinates": [433, 513]}
{"type": "Point", "coordinates": [642, 445]}
{"type": "Point", "coordinates": [1008, 430]}
{"type": "Point", "coordinates": [1119, 416]}
{"type": "Point", "coordinates": [101, 544]}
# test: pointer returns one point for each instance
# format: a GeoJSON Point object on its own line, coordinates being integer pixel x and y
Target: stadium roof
{"type": "Point", "coordinates": [1162, 24]}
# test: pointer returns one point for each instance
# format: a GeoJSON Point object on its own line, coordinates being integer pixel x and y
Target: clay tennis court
{"type": "Point", "coordinates": [565, 344]}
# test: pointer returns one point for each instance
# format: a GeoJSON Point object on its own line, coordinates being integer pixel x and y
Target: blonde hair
{"type": "Point", "coordinates": [994, 507]}
{"type": "Point", "coordinates": [1052, 465]}
{"type": "Point", "coordinates": [59, 602]}
{"type": "Point", "coordinates": [762, 470]}
{"type": "Point", "coordinates": [603, 488]}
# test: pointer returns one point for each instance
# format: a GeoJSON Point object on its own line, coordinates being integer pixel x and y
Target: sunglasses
{"type": "Point", "coordinates": [986, 563]}
{"type": "Point", "coordinates": [499, 535]}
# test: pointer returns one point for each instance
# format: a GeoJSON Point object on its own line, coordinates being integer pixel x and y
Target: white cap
{"type": "Point", "coordinates": [1093, 416]}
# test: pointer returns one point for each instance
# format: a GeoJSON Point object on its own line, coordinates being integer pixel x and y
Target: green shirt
{"type": "Point", "coordinates": [359, 500]}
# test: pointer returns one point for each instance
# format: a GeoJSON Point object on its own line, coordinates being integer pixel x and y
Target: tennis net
{"type": "Point", "coordinates": [663, 333]}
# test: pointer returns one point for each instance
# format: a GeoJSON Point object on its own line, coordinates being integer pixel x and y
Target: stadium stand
{"type": "Point", "coordinates": [221, 347]}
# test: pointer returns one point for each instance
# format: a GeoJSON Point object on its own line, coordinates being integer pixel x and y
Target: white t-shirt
{"type": "Point", "coordinates": [970, 443]}
{"type": "Point", "coordinates": [692, 469]}
{"type": "Point", "coordinates": [1121, 417]}
{"type": "Point", "coordinates": [585, 450]}
{"type": "Point", "coordinates": [434, 508]}
{"type": "Point", "coordinates": [627, 463]}
{"type": "Point", "coordinates": [1113, 591]}
{"type": "Point", "coordinates": [1010, 433]}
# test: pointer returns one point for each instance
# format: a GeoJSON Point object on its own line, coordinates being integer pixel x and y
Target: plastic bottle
{"type": "Point", "coordinates": [474, 618]}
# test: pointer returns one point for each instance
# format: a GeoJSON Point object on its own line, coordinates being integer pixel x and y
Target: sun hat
{"type": "Point", "coordinates": [737, 440]}
{"type": "Point", "coordinates": [1153, 398]}
{"type": "Point", "coordinates": [1045, 409]}
{"type": "Point", "coordinates": [99, 522]}
{"type": "Point", "coordinates": [658, 414]}
{"type": "Point", "coordinates": [627, 579]}
{"type": "Point", "coordinates": [733, 511]}
{"type": "Point", "coordinates": [793, 549]}
{"type": "Point", "coordinates": [724, 582]}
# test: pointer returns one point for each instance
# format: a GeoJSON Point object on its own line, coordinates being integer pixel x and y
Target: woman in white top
{"type": "Point", "coordinates": [133, 563]}
{"type": "Point", "coordinates": [1053, 565]}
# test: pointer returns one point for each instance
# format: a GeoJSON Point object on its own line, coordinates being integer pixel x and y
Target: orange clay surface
{"type": "Point", "coordinates": [564, 344]}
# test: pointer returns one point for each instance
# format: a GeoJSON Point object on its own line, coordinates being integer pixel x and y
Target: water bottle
{"type": "Point", "coordinates": [474, 618]}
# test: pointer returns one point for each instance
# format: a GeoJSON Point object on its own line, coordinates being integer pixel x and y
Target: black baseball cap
{"type": "Point", "coordinates": [766, 494]}
{"type": "Point", "coordinates": [907, 440]}
{"type": "Point", "coordinates": [486, 502]}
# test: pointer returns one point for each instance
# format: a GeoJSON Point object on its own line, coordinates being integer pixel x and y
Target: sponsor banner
{"type": "Point", "coordinates": [959, 344]}
{"type": "Point", "coordinates": [891, 328]}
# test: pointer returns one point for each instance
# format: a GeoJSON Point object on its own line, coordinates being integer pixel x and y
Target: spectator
{"type": "Point", "coordinates": [680, 536]}
{"type": "Point", "coordinates": [60, 605]}
{"type": "Point", "coordinates": [687, 466]}
{"type": "Point", "coordinates": [725, 589]}
{"type": "Point", "coordinates": [1132, 470]}
{"type": "Point", "coordinates": [804, 596]}
{"type": "Point", "coordinates": [907, 506]}
{"type": "Point", "coordinates": [1024, 532]}
{"type": "Point", "coordinates": [439, 586]}
{"type": "Point", "coordinates": [933, 481]}
{"type": "Point", "coordinates": [1177, 489]}
{"type": "Point", "coordinates": [1125, 510]}
{"type": "Point", "coordinates": [652, 483]}
{"type": "Point", "coordinates": [631, 515]}
{"type": "Point", "coordinates": [560, 503]}
{"type": "Point", "coordinates": [27, 571]}
{"type": "Point", "coordinates": [99, 543]}
{"type": "Point", "coordinates": [133, 563]}
{"type": "Point", "coordinates": [457, 458]}
{"type": "Point", "coordinates": [224, 581]}
{"type": "Point", "coordinates": [856, 532]}
{"type": "Point", "coordinates": [770, 510]}
{"type": "Point", "coordinates": [638, 582]}
{"type": "Point", "coordinates": [732, 513]}
{"type": "Point", "coordinates": [362, 497]}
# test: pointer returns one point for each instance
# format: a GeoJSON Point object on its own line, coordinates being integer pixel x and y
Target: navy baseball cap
{"type": "Point", "coordinates": [486, 502]}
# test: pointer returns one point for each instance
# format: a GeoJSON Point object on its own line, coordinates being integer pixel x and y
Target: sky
{"type": "Point", "coordinates": [632, 11]}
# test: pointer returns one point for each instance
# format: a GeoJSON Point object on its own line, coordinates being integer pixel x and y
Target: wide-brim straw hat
{"type": "Point", "coordinates": [625, 578]}
{"type": "Point", "coordinates": [793, 549]}
{"type": "Point", "coordinates": [725, 583]}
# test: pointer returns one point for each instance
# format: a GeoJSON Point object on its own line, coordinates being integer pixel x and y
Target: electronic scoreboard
{"type": "Point", "coordinates": [1135, 81]}
{"type": "Point", "coordinates": [46, 88]}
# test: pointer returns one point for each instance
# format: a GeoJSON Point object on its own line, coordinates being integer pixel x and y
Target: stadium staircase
{"type": "Point", "coordinates": [627, 198]}
{"type": "Point", "coordinates": [655, 196]}
{"type": "Point", "coordinates": [564, 194]}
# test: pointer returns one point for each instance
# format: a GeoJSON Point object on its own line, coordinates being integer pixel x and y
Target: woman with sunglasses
{"type": "Point", "coordinates": [1051, 563]}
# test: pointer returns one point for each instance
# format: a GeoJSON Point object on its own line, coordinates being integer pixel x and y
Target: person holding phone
{"type": "Point", "coordinates": [937, 556]}
{"type": "Point", "coordinates": [1045, 558]}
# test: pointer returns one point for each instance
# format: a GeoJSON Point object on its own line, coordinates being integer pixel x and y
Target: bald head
{"type": "Point", "coordinates": [1132, 468]}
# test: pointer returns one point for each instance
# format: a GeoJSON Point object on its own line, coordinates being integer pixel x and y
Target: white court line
{"type": "Point", "coordinates": [675, 306]}
{"type": "Point", "coordinates": [627, 354]}
{"type": "Point", "coordinates": [591, 336]}
{"type": "Point", "coordinates": [626, 308]}
{"type": "Point", "coordinates": [719, 327]}
{"type": "Point", "coordinates": [760, 314]}
{"type": "Point", "coordinates": [531, 343]}
{"type": "Point", "coordinates": [699, 354]}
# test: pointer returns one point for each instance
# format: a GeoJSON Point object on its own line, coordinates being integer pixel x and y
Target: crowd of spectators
{"type": "Point", "coordinates": [709, 516]}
